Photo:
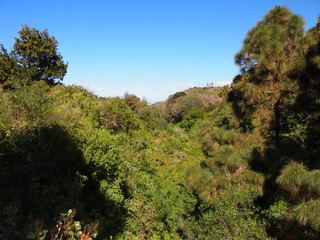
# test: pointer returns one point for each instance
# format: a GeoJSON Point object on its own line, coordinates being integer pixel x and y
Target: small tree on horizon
{"type": "Point", "coordinates": [34, 57]}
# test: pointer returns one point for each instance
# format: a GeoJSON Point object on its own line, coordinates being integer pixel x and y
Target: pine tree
{"type": "Point", "coordinates": [266, 61]}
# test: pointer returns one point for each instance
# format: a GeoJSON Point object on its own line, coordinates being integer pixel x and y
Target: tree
{"type": "Point", "coordinates": [36, 51]}
{"type": "Point", "coordinates": [134, 102]}
{"type": "Point", "coordinates": [280, 79]}
{"type": "Point", "coordinates": [304, 189]}
{"type": "Point", "coordinates": [310, 75]}
{"type": "Point", "coordinates": [35, 57]}
{"type": "Point", "coordinates": [266, 61]}
{"type": "Point", "coordinates": [309, 95]}
{"type": "Point", "coordinates": [10, 71]}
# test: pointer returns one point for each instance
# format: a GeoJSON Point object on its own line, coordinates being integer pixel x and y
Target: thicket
{"type": "Point", "coordinates": [238, 162]}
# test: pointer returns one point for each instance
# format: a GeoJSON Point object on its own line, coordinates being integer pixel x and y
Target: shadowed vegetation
{"type": "Point", "coordinates": [235, 162]}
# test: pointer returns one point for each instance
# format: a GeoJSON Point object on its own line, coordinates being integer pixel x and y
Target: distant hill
{"type": "Point", "coordinates": [207, 95]}
{"type": "Point", "coordinates": [177, 105]}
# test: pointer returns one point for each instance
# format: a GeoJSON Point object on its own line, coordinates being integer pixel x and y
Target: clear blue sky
{"type": "Point", "coordinates": [151, 48]}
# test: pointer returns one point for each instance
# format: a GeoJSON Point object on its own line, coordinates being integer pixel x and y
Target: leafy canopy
{"type": "Point", "coordinates": [34, 57]}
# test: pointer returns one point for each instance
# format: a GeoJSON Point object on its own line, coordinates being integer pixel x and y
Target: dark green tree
{"type": "Point", "coordinates": [10, 71]}
{"type": "Point", "coordinates": [309, 96]}
{"type": "Point", "coordinates": [37, 52]}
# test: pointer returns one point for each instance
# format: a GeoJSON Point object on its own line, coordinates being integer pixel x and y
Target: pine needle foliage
{"type": "Point", "coordinates": [296, 179]}
{"type": "Point", "coordinates": [291, 177]}
{"type": "Point", "coordinates": [308, 213]}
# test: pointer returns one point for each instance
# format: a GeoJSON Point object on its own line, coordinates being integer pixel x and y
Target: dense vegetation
{"type": "Point", "coordinates": [236, 162]}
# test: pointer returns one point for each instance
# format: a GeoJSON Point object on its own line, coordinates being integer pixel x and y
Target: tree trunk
{"type": "Point", "coordinates": [277, 126]}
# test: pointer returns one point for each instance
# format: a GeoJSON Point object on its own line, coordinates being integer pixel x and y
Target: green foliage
{"type": "Point", "coordinates": [291, 177]}
{"type": "Point", "coordinates": [180, 103]}
{"type": "Point", "coordinates": [77, 109]}
{"type": "Point", "coordinates": [230, 216]}
{"type": "Point", "coordinates": [191, 118]}
{"type": "Point", "coordinates": [267, 61]}
{"type": "Point", "coordinates": [144, 217]}
{"type": "Point", "coordinates": [176, 96]}
{"type": "Point", "coordinates": [269, 47]}
{"type": "Point", "coordinates": [10, 71]}
{"type": "Point", "coordinates": [34, 57]}
{"type": "Point", "coordinates": [226, 156]}
{"type": "Point", "coordinates": [102, 156]}
{"type": "Point", "coordinates": [303, 185]}
{"type": "Point", "coordinates": [118, 161]}
{"type": "Point", "coordinates": [118, 116]}
{"type": "Point", "coordinates": [308, 213]}
{"type": "Point", "coordinates": [223, 117]}
{"type": "Point", "coordinates": [37, 52]}
{"type": "Point", "coordinates": [295, 178]}
{"type": "Point", "coordinates": [26, 107]}
{"type": "Point", "coordinates": [179, 108]}
{"type": "Point", "coordinates": [154, 117]}
{"type": "Point", "coordinates": [134, 102]}
{"type": "Point", "coordinates": [276, 98]}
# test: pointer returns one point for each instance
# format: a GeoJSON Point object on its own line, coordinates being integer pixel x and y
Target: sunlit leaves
{"type": "Point", "coordinates": [37, 52]}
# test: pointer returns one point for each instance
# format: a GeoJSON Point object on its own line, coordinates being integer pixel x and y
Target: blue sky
{"type": "Point", "coordinates": [151, 48]}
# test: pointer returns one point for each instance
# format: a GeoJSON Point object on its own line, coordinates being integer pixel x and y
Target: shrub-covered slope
{"type": "Point", "coordinates": [238, 162]}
